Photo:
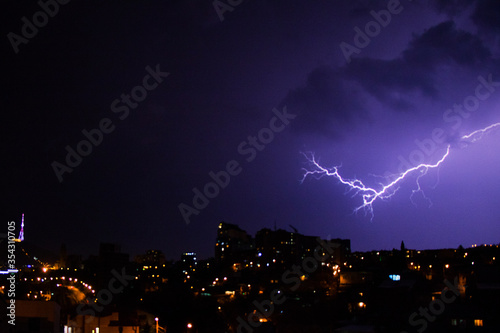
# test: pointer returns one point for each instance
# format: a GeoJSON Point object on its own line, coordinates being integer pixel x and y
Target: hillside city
{"type": "Point", "coordinates": [275, 281]}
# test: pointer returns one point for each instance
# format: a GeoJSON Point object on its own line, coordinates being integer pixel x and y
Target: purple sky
{"type": "Point", "coordinates": [225, 78]}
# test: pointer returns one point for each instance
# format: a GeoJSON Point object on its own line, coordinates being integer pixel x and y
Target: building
{"type": "Point", "coordinates": [277, 247]}
{"type": "Point", "coordinates": [116, 322]}
{"type": "Point", "coordinates": [37, 316]}
{"type": "Point", "coordinates": [273, 248]}
{"type": "Point", "coordinates": [286, 248]}
{"type": "Point", "coordinates": [188, 262]}
{"type": "Point", "coordinates": [151, 258]}
{"type": "Point", "coordinates": [233, 244]}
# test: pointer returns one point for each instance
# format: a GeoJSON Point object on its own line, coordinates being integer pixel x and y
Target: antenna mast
{"type": "Point", "coordinates": [21, 233]}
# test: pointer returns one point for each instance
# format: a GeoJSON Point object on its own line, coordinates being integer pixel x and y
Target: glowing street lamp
{"type": "Point", "coordinates": [156, 319]}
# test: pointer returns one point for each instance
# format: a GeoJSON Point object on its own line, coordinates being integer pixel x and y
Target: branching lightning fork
{"type": "Point", "coordinates": [369, 194]}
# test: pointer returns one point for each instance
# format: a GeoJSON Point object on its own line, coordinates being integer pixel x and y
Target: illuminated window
{"type": "Point", "coordinates": [478, 322]}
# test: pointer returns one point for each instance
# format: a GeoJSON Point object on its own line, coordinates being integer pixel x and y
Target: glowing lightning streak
{"type": "Point", "coordinates": [478, 135]}
{"type": "Point", "coordinates": [369, 194]}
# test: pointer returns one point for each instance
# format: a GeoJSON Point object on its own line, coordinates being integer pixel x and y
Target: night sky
{"type": "Point", "coordinates": [363, 101]}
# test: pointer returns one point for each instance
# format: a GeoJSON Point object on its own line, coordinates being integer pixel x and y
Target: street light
{"type": "Point", "coordinates": [156, 319]}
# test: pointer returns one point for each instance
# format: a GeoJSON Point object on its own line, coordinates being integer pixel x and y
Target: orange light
{"type": "Point", "coordinates": [189, 325]}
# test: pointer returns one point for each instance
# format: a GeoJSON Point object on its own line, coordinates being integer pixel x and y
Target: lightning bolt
{"type": "Point", "coordinates": [369, 194]}
{"type": "Point", "coordinates": [478, 135]}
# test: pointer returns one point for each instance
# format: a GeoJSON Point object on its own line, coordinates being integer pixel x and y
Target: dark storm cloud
{"type": "Point", "coordinates": [444, 42]}
{"type": "Point", "coordinates": [332, 99]}
{"type": "Point", "coordinates": [452, 7]}
{"type": "Point", "coordinates": [487, 15]}
{"type": "Point", "coordinates": [390, 81]}
{"type": "Point", "coordinates": [327, 101]}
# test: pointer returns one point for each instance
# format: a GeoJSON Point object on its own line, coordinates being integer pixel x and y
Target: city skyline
{"type": "Point", "coordinates": [276, 279]}
{"type": "Point", "coordinates": [44, 253]}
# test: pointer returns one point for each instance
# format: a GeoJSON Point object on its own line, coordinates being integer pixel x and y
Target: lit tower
{"type": "Point", "coordinates": [21, 233]}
